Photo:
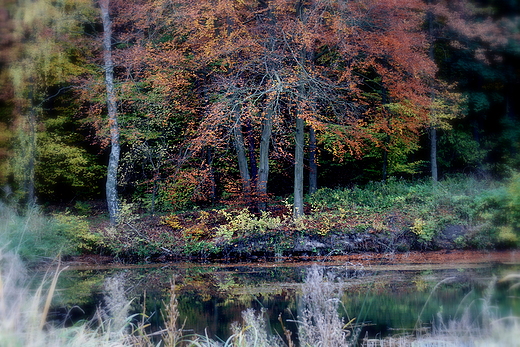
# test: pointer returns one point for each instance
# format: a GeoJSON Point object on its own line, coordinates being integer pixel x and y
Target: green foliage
{"type": "Point", "coordinates": [130, 237]}
{"type": "Point", "coordinates": [128, 243]}
{"type": "Point", "coordinates": [426, 207]}
{"type": "Point", "coordinates": [179, 193]}
{"type": "Point", "coordinates": [21, 164]}
{"type": "Point", "coordinates": [34, 235]}
{"type": "Point", "coordinates": [459, 149]}
{"type": "Point", "coordinates": [398, 214]}
{"type": "Point", "coordinates": [513, 201]}
{"type": "Point", "coordinates": [77, 230]}
{"type": "Point", "coordinates": [111, 241]}
{"type": "Point", "coordinates": [377, 196]}
{"type": "Point", "coordinates": [42, 57]}
{"type": "Point", "coordinates": [244, 222]}
{"type": "Point", "coordinates": [403, 144]}
{"type": "Point", "coordinates": [5, 140]}
{"type": "Point", "coordinates": [160, 200]}
{"type": "Point", "coordinates": [127, 213]}
{"type": "Point", "coordinates": [501, 209]}
{"type": "Point", "coordinates": [509, 144]}
{"type": "Point", "coordinates": [82, 208]}
{"type": "Point", "coordinates": [200, 248]}
{"type": "Point", "coordinates": [64, 168]}
{"type": "Point", "coordinates": [508, 237]}
{"type": "Point", "coordinates": [425, 231]}
{"type": "Point", "coordinates": [399, 162]}
{"type": "Point", "coordinates": [479, 101]}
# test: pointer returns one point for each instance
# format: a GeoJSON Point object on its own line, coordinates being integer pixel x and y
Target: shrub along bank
{"type": "Point", "coordinates": [393, 216]}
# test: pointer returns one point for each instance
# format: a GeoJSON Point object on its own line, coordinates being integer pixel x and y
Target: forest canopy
{"type": "Point", "coordinates": [244, 101]}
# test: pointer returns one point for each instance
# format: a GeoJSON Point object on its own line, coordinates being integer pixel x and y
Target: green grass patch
{"type": "Point", "coordinates": [34, 236]}
{"type": "Point", "coordinates": [426, 208]}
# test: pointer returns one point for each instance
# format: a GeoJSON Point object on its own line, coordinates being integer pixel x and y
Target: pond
{"type": "Point", "coordinates": [379, 295]}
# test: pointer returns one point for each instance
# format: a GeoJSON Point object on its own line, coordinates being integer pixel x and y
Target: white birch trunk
{"type": "Point", "coordinates": [113, 162]}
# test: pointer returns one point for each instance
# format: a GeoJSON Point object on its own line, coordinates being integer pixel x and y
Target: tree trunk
{"type": "Point", "coordinates": [263, 165]}
{"type": "Point", "coordinates": [385, 159]}
{"type": "Point", "coordinates": [433, 153]}
{"type": "Point", "coordinates": [253, 167]}
{"type": "Point", "coordinates": [113, 162]}
{"type": "Point", "coordinates": [242, 159]}
{"type": "Point", "coordinates": [209, 160]}
{"type": "Point", "coordinates": [299, 138]}
{"type": "Point", "coordinates": [386, 100]}
{"type": "Point", "coordinates": [154, 195]}
{"type": "Point", "coordinates": [298, 168]}
{"type": "Point", "coordinates": [313, 164]}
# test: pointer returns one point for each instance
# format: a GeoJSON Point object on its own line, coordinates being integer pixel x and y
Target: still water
{"type": "Point", "coordinates": [383, 299]}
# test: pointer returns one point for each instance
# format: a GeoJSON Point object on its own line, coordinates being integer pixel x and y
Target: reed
{"type": "Point", "coordinates": [319, 323]}
{"type": "Point", "coordinates": [23, 313]}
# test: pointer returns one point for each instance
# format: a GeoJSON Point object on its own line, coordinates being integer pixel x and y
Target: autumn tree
{"type": "Point", "coordinates": [235, 46]}
{"type": "Point", "coordinates": [388, 56]}
{"type": "Point", "coordinates": [153, 92]}
{"type": "Point", "coordinates": [341, 71]}
{"type": "Point", "coordinates": [314, 63]}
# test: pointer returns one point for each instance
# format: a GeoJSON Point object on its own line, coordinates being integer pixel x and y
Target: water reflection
{"type": "Point", "coordinates": [382, 300]}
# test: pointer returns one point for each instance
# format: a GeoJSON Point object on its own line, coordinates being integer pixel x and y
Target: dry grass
{"type": "Point", "coordinates": [319, 323]}
{"type": "Point", "coordinates": [23, 313]}
{"type": "Point", "coordinates": [23, 318]}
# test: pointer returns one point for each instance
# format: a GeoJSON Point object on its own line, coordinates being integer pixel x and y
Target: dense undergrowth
{"type": "Point", "coordinates": [384, 217]}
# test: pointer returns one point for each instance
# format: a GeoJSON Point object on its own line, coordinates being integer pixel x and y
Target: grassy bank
{"type": "Point", "coordinates": [24, 311]}
{"type": "Point", "coordinates": [37, 236]}
{"type": "Point", "coordinates": [456, 213]}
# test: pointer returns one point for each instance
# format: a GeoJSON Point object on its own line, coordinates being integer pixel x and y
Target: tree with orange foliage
{"type": "Point", "coordinates": [235, 46]}
{"type": "Point", "coordinates": [382, 48]}
{"type": "Point", "coordinates": [321, 63]}
{"type": "Point", "coordinates": [353, 73]}
{"type": "Point", "coordinates": [149, 99]}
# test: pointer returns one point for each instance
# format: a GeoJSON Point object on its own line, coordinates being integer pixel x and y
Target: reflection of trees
{"type": "Point", "coordinates": [213, 301]}
{"type": "Point", "coordinates": [212, 298]}
{"type": "Point", "coordinates": [78, 288]}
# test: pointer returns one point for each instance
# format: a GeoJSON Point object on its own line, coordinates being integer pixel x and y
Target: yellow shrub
{"type": "Point", "coordinates": [172, 221]}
